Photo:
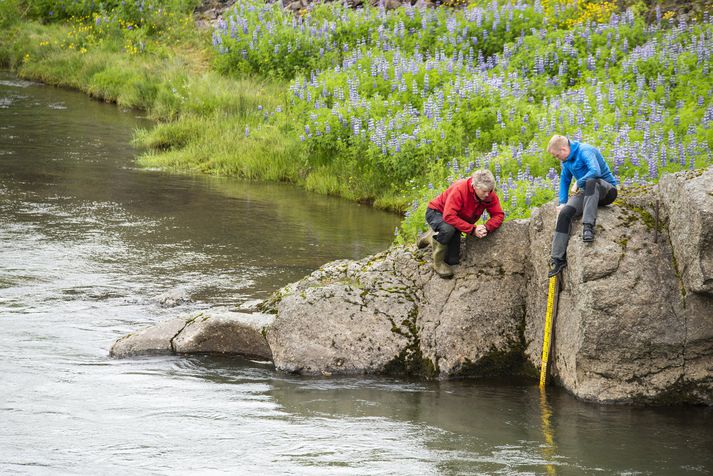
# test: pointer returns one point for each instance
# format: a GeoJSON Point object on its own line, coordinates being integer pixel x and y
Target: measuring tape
{"type": "Point", "coordinates": [547, 340]}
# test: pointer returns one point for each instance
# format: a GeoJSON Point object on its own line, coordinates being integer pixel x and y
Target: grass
{"type": "Point", "coordinates": [342, 123]}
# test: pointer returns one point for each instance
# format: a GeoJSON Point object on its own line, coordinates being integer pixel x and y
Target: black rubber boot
{"type": "Point", "coordinates": [556, 265]}
{"type": "Point", "coordinates": [588, 233]}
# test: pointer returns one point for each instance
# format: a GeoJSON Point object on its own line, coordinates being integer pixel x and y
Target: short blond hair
{"type": "Point", "coordinates": [556, 143]}
{"type": "Point", "coordinates": [483, 179]}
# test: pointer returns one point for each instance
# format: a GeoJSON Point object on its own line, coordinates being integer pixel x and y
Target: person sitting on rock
{"type": "Point", "coordinates": [595, 187]}
{"type": "Point", "coordinates": [456, 210]}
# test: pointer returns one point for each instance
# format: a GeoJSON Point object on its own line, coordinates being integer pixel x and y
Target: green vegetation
{"type": "Point", "coordinates": [387, 107]}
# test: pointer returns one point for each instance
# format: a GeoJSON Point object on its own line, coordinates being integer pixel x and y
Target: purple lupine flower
{"type": "Point", "coordinates": [653, 168]}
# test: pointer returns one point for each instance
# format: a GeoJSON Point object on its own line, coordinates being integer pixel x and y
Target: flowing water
{"type": "Point", "coordinates": [89, 246]}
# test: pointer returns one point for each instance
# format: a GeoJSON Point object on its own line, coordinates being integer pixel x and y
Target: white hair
{"type": "Point", "coordinates": [483, 179]}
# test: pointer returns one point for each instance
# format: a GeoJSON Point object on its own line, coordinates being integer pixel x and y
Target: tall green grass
{"type": "Point", "coordinates": [205, 122]}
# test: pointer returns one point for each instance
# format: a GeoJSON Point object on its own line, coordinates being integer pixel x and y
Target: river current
{"type": "Point", "coordinates": [90, 246]}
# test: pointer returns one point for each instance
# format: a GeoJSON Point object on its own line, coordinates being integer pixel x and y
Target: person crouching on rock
{"type": "Point", "coordinates": [456, 210]}
{"type": "Point", "coordinates": [595, 187]}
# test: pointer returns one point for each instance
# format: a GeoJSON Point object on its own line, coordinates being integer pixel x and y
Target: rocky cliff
{"type": "Point", "coordinates": [635, 315]}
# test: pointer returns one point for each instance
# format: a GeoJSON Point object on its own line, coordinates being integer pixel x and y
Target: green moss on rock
{"type": "Point", "coordinates": [410, 361]}
{"type": "Point", "coordinates": [499, 363]}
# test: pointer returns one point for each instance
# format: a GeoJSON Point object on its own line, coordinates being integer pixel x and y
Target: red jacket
{"type": "Point", "coordinates": [461, 207]}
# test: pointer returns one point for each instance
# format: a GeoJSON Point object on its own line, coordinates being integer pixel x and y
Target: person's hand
{"type": "Point", "coordinates": [481, 231]}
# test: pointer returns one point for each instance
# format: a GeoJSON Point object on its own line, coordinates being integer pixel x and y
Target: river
{"type": "Point", "coordinates": [89, 246]}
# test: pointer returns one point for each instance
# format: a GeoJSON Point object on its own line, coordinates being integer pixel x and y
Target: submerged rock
{"type": "Point", "coordinates": [635, 319]}
{"type": "Point", "coordinates": [173, 298]}
{"type": "Point", "coordinates": [213, 332]}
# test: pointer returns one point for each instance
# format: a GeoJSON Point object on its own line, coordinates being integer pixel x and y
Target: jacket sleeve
{"type": "Point", "coordinates": [593, 170]}
{"type": "Point", "coordinates": [565, 181]}
{"type": "Point", "coordinates": [454, 204]}
{"type": "Point", "coordinates": [496, 214]}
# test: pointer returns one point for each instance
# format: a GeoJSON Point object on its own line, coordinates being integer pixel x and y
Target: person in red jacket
{"type": "Point", "coordinates": [456, 210]}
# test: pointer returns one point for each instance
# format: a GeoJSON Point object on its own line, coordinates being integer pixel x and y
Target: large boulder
{"type": "Point", "coordinates": [688, 202]}
{"type": "Point", "coordinates": [635, 315]}
{"type": "Point", "coordinates": [391, 313]}
{"type": "Point", "coordinates": [619, 334]}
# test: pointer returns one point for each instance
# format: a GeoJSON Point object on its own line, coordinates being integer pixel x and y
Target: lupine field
{"type": "Point", "coordinates": [390, 106]}
{"type": "Point", "coordinates": [418, 97]}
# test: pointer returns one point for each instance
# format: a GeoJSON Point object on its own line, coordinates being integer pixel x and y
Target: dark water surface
{"type": "Point", "coordinates": [89, 244]}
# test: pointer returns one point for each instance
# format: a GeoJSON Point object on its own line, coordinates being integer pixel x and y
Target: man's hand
{"type": "Point", "coordinates": [481, 231]}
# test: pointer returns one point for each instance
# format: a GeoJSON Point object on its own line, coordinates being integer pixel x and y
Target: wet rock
{"type": "Point", "coordinates": [225, 333]}
{"type": "Point", "coordinates": [154, 340]}
{"type": "Point", "coordinates": [216, 331]}
{"type": "Point", "coordinates": [173, 298]}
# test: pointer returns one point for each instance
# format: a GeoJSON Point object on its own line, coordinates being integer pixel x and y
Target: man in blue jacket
{"type": "Point", "coordinates": [595, 187]}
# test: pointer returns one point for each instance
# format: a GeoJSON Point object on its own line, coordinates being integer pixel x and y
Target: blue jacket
{"type": "Point", "coordinates": [583, 162]}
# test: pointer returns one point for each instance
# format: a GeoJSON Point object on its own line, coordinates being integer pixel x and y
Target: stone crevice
{"type": "Point", "coordinates": [175, 336]}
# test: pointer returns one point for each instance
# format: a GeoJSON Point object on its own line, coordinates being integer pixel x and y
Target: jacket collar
{"type": "Point", "coordinates": [573, 148]}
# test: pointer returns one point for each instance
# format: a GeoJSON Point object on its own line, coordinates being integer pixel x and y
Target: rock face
{"type": "Point", "coordinates": [391, 313]}
{"type": "Point", "coordinates": [217, 332]}
{"type": "Point", "coordinates": [635, 316]}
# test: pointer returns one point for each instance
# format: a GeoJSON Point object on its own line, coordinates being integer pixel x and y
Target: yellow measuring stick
{"type": "Point", "coordinates": [547, 340]}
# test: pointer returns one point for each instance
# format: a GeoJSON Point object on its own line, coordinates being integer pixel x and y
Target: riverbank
{"type": "Point", "coordinates": [388, 106]}
{"type": "Point", "coordinates": [201, 115]}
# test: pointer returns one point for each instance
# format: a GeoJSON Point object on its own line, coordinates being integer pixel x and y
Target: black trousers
{"type": "Point", "coordinates": [446, 234]}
